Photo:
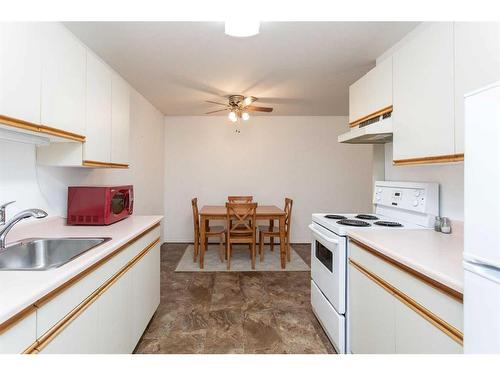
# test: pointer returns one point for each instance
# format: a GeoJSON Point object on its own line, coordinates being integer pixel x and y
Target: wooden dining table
{"type": "Point", "coordinates": [270, 213]}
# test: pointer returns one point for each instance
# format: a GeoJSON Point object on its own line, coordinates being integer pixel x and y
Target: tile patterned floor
{"type": "Point", "coordinates": [239, 312]}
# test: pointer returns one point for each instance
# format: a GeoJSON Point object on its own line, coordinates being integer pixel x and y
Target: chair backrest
{"type": "Point", "coordinates": [241, 219]}
{"type": "Point", "coordinates": [240, 198]}
{"type": "Point", "coordinates": [196, 219]}
{"type": "Point", "coordinates": [288, 212]}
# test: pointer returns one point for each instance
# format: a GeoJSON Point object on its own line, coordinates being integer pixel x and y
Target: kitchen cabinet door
{"type": "Point", "coordinates": [115, 330]}
{"type": "Point", "coordinates": [80, 336]}
{"type": "Point", "coordinates": [477, 64]}
{"type": "Point", "coordinates": [415, 335]}
{"type": "Point", "coordinates": [371, 316]}
{"type": "Point", "coordinates": [98, 111]}
{"type": "Point", "coordinates": [120, 121]}
{"type": "Point", "coordinates": [63, 79]}
{"type": "Point", "coordinates": [20, 336]}
{"type": "Point", "coordinates": [20, 71]}
{"type": "Point", "coordinates": [423, 81]}
{"type": "Point", "coordinates": [145, 291]}
{"type": "Point", "coordinates": [372, 92]}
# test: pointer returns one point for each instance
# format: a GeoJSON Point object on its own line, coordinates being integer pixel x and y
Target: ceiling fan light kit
{"type": "Point", "coordinates": [241, 28]}
{"type": "Point", "coordinates": [238, 107]}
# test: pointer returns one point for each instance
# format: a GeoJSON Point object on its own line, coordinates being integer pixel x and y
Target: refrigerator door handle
{"type": "Point", "coordinates": [488, 272]}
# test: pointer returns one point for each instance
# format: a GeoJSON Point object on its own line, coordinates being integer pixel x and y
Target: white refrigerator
{"type": "Point", "coordinates": [482, 221]}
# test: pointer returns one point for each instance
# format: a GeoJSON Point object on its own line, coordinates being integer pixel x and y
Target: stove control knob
{"type": "Point", "coordinates": [415, 203]}
{"type": "Point", "coordinates": [378, 197]}
{"type": "Point", "coordinates": [379, 190]}
{"type": "Point", "coordinates": [417, 193]}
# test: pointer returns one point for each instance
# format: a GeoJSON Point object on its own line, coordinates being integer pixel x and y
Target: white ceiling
{"type": "Point", "coordinates": [299, 68]}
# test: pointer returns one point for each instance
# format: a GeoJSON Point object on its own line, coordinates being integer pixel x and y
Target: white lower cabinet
{"type": "Point", "coordinates": [115, 315]}
{"type": "Point", "coordinates": [20, 336]}
{"type": "Point", "coordinates": [391, 311]}
{"type": "Point", "coordinates": [145, 291]}
{"type": "Point", "coordinates": [372, 316]}
{"type": "Point", "coordinates": [416, 335]}
{"type": "Point", "coordinates": [81, 336]}
{"type": "Point", "coordinates": [115, 320]}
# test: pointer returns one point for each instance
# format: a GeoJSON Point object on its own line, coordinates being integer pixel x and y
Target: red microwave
{"type": "Point", "coordinates": [99, 205]}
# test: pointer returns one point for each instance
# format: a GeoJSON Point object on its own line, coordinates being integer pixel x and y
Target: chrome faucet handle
{"type": "Point", "coordinates": [2, 212]}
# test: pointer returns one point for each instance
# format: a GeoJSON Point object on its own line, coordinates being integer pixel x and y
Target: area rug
{"type": "Point", "coordinates": [240, 261]}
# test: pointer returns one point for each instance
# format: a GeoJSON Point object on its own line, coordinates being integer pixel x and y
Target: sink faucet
{"type": "Point", "coordinates": [32, 212]}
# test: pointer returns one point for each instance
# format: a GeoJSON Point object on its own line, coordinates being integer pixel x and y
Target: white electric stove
{"type": "Point", "coordinates": [398, 206]}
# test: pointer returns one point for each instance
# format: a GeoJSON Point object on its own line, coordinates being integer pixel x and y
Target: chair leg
{"type": "Point", "coordinates": [261, 246]}
{"type": "Point", "coordinates": [228, 254]}
{"type": "Point", "coordinates": [271, 238]}
{"type": "Point", "coordinates": [221, 248]}
{"type": "Point", "coordinates": [196, 249]}
{"type": "Point", "coordinates": [253, 254]}
{"type": "Point", "coordinates": [288, 252]}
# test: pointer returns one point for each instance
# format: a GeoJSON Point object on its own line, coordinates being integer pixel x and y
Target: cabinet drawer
{"type": "Point", "coordinates": [446, 307]}
{"type": "Point", "coordinates": [51, 311]}
{"type": "Point", "coordinates": [20, 336]}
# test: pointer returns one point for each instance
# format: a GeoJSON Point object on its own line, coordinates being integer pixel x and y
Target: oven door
{"type": "Point", "coordinates": [328, 265]}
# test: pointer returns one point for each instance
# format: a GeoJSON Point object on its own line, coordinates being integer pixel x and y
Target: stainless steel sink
{"type": "Point", "coordinates": [38, 254]}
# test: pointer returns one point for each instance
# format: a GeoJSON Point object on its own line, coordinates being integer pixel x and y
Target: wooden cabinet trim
{"type": "Point", "coordinates": [25, 125]}
{"type": "Point", "coordinates": [370, 116]}
{"type": "Point", "coordinates": [424, 278]}
{"type": "Point", "coordinates": [52, 333]}
{"type": "Point", "coordinates": [432, 318]}
{"type": "Point", "coordinates": [40, 302]}
{"type": "Point", "coordinates": [431, 159]}
{"type": "Point", "coordinates": [100, 164]}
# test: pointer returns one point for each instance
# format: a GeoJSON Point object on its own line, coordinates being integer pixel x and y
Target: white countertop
{"type": "Point", "coordinates": [433, 254]}
{"type": "Point", "coordinates": [19, 289]}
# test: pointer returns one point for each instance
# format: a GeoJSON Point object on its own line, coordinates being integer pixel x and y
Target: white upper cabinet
{"type": "Point", "coordinates": [20, 71]}
{"type": "Point", "coordinates": [63, 79]}
{"type": "Point", "coordinates": [372, 92]}
{"type": "Point", "coordinates": [98, 111]}
{"type": "Point", "coordinates": [120, 121]}
{"type": "Point", "coordinates": [423, 116]}
{"type": "Point", "coordinates": [477, 64]}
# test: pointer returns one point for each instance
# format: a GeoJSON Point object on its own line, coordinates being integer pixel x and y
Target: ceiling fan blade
{"type": "Point", "coordinates": [210, 101]}
{"type": "Point", "coordinates": [219, 110]}
{"type": "Point", "coordinates": [254, 108]}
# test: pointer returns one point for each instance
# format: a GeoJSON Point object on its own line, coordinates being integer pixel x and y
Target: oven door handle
{"type": "Point", "coordinates": [322, 236]}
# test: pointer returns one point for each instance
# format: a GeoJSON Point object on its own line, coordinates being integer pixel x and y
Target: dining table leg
{"type": "Point", "coordinates": [271, 238]}
{"type": "Point", "coordinates": [203, 243]}
{"type": "Point", "coordinates": [282, 242]}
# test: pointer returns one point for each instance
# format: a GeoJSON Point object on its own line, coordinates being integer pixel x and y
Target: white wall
{"type": "Point", "coordinates": [449, 176]}
{"type": "Point", "coordinates": [46, 187]}
{"type": "Point", "coordinates": [271, 158]}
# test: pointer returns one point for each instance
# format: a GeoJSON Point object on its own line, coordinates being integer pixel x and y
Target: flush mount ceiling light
{"type": "Point", "coordinates": [241, 27]}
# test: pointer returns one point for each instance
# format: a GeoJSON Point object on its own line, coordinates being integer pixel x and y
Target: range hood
{"type": "Point", "coordinates": [374, 131]}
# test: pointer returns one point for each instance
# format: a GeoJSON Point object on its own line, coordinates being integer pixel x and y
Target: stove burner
{"type": "Point", "coordinates": [336, 217]}
{"type": "Point", "coordinates": [366, 217]}
{"type": "Point", "coordinates": [388, 224]}
{"type": "Point", "coordinates": [354, 223]}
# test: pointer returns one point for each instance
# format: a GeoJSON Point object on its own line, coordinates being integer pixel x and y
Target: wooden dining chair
{"type": "Point", "coordinates": [212, 231]}
{"type": "Point", "coordinates": [241, 228]}
{"type": "Point", "coordinates": [240, 198]}
{"type": "Point", "coordinates": [271, 231]}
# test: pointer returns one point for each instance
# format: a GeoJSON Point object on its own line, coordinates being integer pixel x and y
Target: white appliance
{"type": "Point", "coordinates": [398, 206]}
{"type": "Point", "coordinates": [482, 222]}
{"type": "Point", "coordinates": [372, 131]}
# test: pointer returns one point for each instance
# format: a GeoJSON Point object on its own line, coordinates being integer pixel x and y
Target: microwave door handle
{"type": "Point", "coordinates": [322, 236]}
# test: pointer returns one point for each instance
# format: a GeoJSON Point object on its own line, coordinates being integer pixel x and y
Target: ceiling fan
{"type": "Point", "coordinates": [239, 106]}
